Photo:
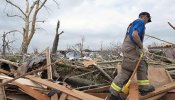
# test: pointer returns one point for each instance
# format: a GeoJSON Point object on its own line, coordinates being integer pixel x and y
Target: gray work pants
{"type": "Point", "coordinates": [131, 56]}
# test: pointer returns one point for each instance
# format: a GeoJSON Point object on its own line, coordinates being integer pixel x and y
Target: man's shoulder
{"type": "Point", "coordinates": [138, 21]}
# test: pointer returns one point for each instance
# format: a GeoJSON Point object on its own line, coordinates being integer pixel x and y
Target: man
{"type": "Point", "coordinates": [132, 48]}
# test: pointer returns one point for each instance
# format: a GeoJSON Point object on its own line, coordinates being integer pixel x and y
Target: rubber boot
{"type": "Point", "coordinates": [144, 89]}
{"type": "Point", "coordinates": [113, 97]}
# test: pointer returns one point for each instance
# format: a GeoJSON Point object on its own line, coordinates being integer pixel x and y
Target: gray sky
{"type": "Point", "coordinates": [99, 21]}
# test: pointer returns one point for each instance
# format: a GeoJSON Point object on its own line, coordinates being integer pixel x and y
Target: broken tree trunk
{"type": "Point", "coordinates": [56, 40]}
{"type": "Point", "coordinates": [4, 45]}
{"type": "Point", "coordinates": [77, 82]}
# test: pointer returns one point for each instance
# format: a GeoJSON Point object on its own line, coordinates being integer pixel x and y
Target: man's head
{"type": "Point", "coordinates": [145, 16]}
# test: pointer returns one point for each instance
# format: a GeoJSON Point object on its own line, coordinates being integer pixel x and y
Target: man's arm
{"type": "Point", "coordinates": [137, 39]}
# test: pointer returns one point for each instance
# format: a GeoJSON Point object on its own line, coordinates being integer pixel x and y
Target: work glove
{"type": "Point", "coordinates": [139, 51]}
{"type": "Point", "coordinates": [144, 51]}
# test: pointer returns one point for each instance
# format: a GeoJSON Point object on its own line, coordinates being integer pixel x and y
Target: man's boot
{"type": "Point", "coordinates": [113, 97]}
{"type": "Point", "coordinates": [144, 89]}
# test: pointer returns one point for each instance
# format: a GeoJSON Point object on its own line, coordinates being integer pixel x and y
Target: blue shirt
{"type": "Point", "coordinates": [138, 25]}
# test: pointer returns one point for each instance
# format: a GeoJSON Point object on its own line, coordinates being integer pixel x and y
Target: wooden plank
{"type": "Point", "coordinates": [100, 95]}
{"type": "Point", "coordinates": [169, 76]}
{"type": "Point", "coordinates": [98, 89]}
{"type": "Point", "coordinates": [88, 63]}
{"type": "Point", "coordinates": [54, 97]}
{"type": "Point", "coordinates": [14, 96]}
{"type": "Point", "coordinates": [34, 93]}
{"type": "Point", "coordinates": [72, 98]}
{"type": "Point", "coordinates": [159, 90]}
{"type": "Point", "coordinates": [169, 96]}
{"type": "Point", "coordinates": [4, 71]}
{"type": "Point", "coordinates": [49, 68]}
{"type": "Point", "coordinates": [63, 96]}
{"type": "Point", "coordinates": [157, 76]}
{"type": "Point", "coordinates": [157, 97]}
{"type": "Point", "coordinates": [133, 92]}
{"type": "Point", "coordinates": [72, 92]}
{"type": "Point", "coordinates": [2, 92]}
{"type": "Point", "coordinates": [173, 90]}
{"type": "Point", "coordinates": [21, 81]}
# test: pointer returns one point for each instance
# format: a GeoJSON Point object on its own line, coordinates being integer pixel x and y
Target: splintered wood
{"type": "Point", "coordinates": [71, 92]}
{"type": "Point", "coordinates": [49, 68]}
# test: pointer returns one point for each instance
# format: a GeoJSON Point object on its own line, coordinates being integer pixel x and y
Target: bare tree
{"type": "Point", "coordinates": [171, 25]}
{"type": "Point", "coordinates": [6, 43]}
{"type": "Point", "coordinates": [80, 46]}
{"type": "Point", "coordinates": [29, 16]}
{"type": "Point", "coordinates": [101, 46]}
{"type": "Point", "coordinates": [56, 40]}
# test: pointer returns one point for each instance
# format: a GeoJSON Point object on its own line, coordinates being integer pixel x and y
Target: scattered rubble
{"type": "Point", "coordinates": [70, 77]}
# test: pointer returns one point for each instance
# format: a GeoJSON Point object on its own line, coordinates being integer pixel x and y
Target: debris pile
{"type": "Point", "coordinates": [66, 76]}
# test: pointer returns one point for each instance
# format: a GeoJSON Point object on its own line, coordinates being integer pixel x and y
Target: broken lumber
{"type": "Point", "coordinates": [2, 92]}
{"type": "Point", "coordinates": [4, 71]}
{"type": "Point", "coordinates": [100, 95]}
{"type": "Point", "coordinates": [34, 71]}
{"type": "Point", "coordinates": [157, 97]}
{"type": "Point", "coordinates": [98, 89]}
{"type": "Point", "coordinates": [159, 90]}
{"type": "Point", "coordinates": [133, 92]}
{"type": "Point", "coordinates": [72, 92]}
{"type": "Point", "coordinates": [54, 97]}
{"type": "Point", "coordinates": [49, 68]}
{"type": "Point", "coordinates": [34, 93]}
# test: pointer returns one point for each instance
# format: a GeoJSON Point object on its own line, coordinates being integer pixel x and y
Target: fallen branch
{"type": "Point", "coordinates": [100, 69]}
{"type": "Point", "coordinates": [9, 62]}
{"type": "Point", "coordinates": [90, 86]}
{"type": "Point", "coordinates": [109, 62]}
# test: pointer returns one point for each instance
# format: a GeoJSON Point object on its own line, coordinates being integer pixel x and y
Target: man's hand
{"type": "Point", "coordinates": [137, 39]}
{"type": "Point", "coordinates": [140, 51]}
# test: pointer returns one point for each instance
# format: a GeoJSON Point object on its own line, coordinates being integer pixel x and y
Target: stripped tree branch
{"type": "Point", "coordinates": [171, 25]}
{"type": "Point", "coordinates": [16, 7]}
{"type": "Point", "coordinates": [31, 7]}
{"type": "Point", "coordinates": [13, 31]}
{"type": "Point", "coordinates": [159, 39]}
{"type": "Point", "coordinates": [15, 16]}
{"type": "Point", "coordinates": [56, 3]}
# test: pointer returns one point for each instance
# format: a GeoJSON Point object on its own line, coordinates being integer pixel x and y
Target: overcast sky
{"type": "Point", "coordinates": [99, 21]}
